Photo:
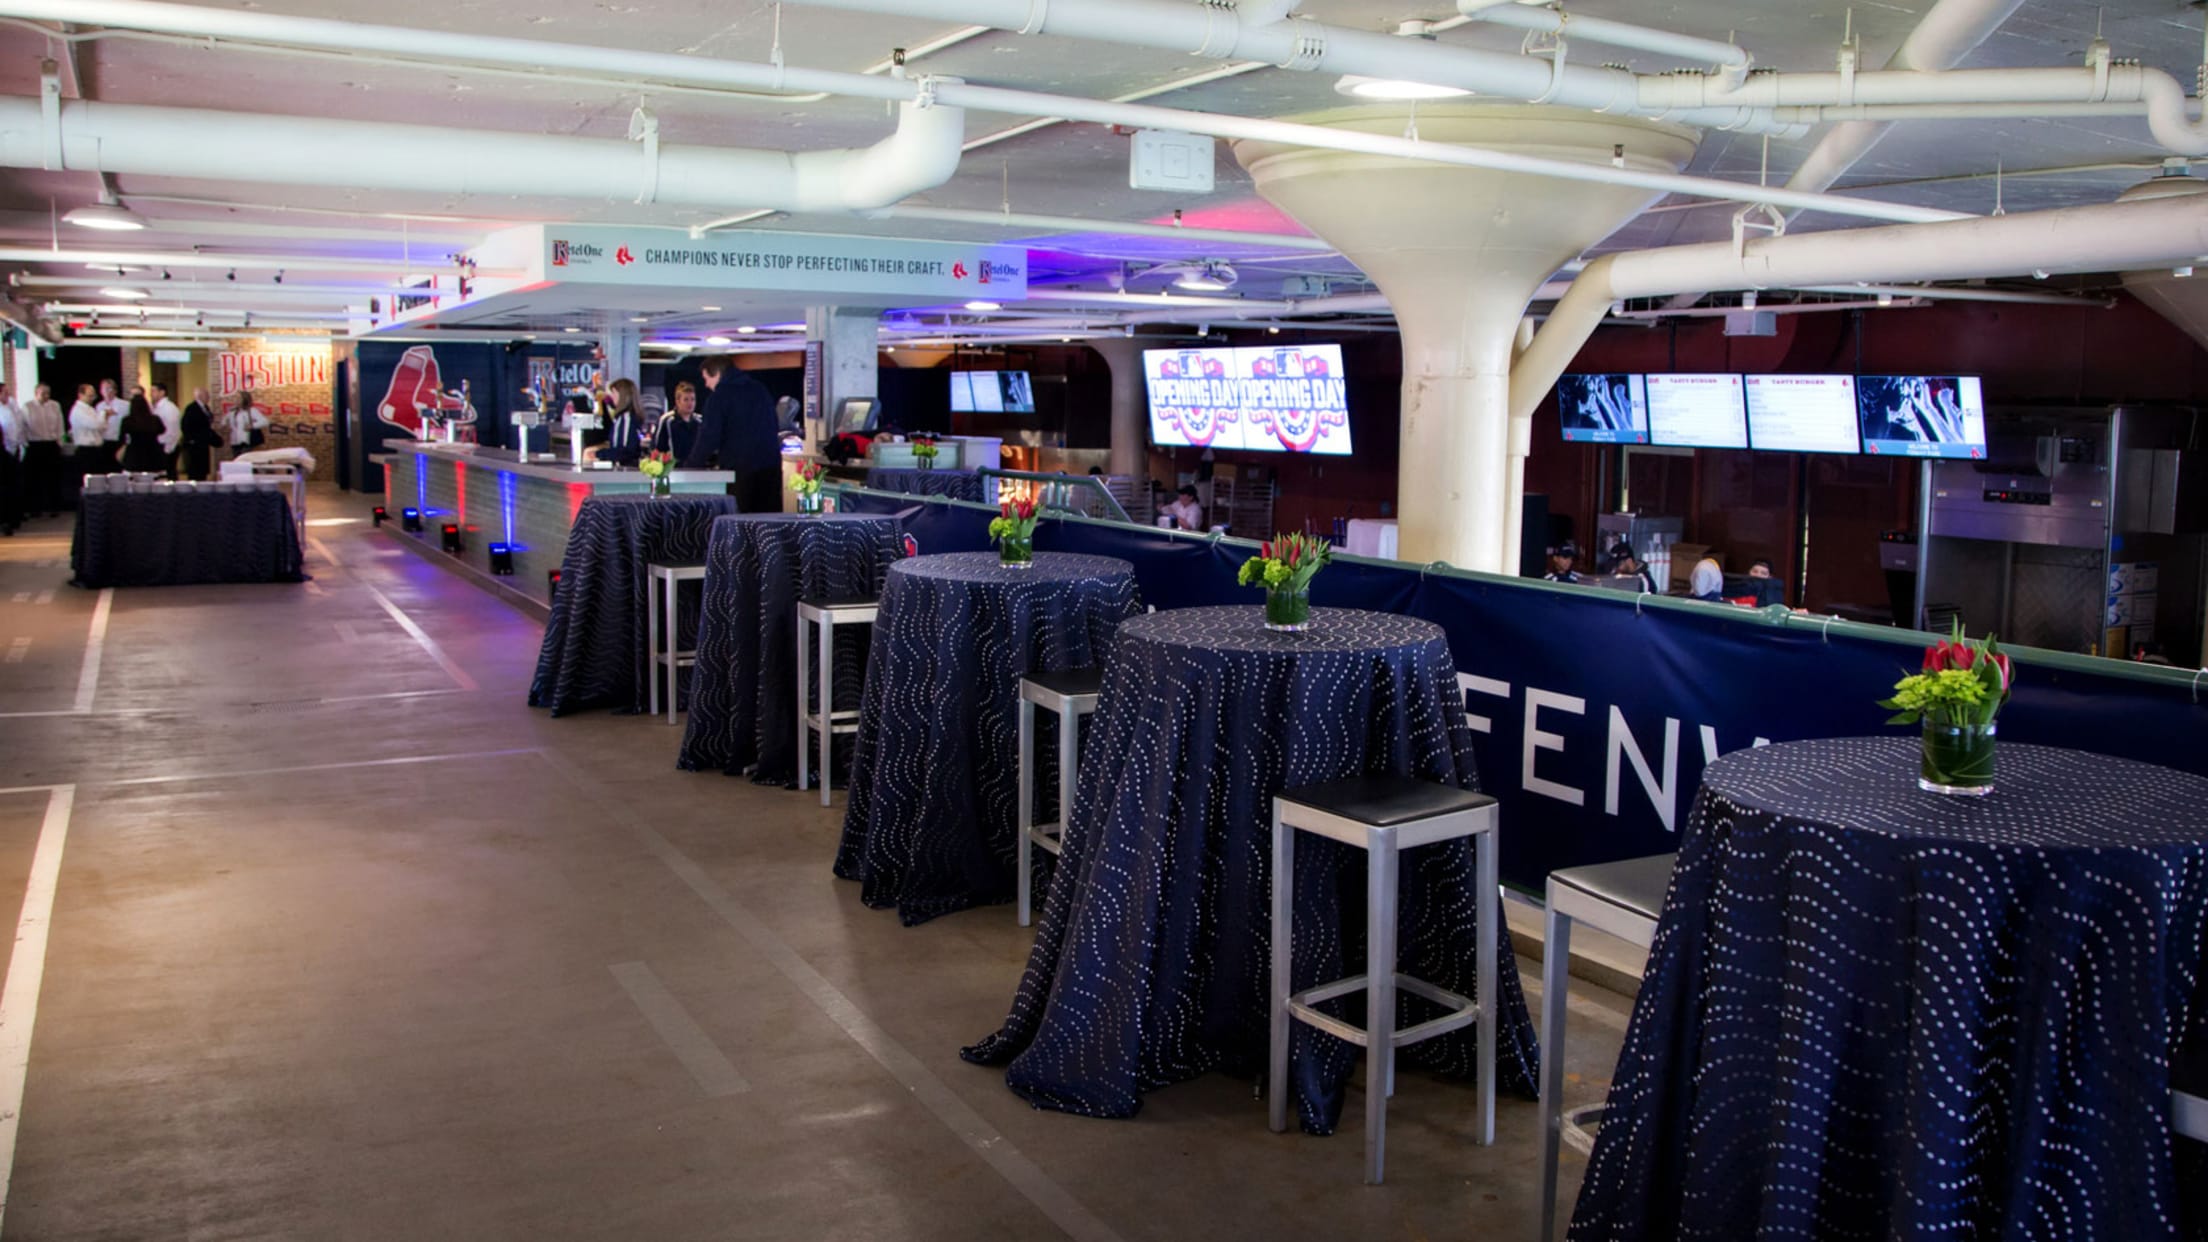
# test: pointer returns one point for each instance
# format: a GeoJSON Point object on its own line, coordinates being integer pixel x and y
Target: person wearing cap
{"type": "Point", "coordinates": [1562, 559]}
{"type": "Point", "coordinates": [1623, 564]}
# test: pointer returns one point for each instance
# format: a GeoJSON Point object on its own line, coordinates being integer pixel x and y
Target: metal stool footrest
{"type": "Point", "coordinates": [1463, 1011]}
{"type": "Point", "coordinates": [1072, 694]}
{"type": "Point", "coordinates": [826, 723]}
{"type": "Point", "coordinates": [667, 662]}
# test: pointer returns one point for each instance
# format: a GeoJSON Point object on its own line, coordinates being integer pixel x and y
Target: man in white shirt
{"type": "Point", "coordinates": [172, 424]}
{"type": "Point", "coordinates": [242, 423]}
{"type": "Point", "coordinates": [15, 437]}
{"type": "Point", "coordinates": [88, 437]}
{"type": "Point", "coordinates": [44, 466]}
{"type": "Point", "coordinates": [113, 409]}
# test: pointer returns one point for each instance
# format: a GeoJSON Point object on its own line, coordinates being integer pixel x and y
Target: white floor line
{"type": "Point", "coordinates": [421, 636]}
{"type": "Point", "coordinates": [44, 597]}
{"type": "Point", "coordinates": [26, 972]}
{"type": "Point", "coordinates": [679, 1031]}
{"type": "Point", "coordinates": [911, 1073]}
{"type": "Point", "coordinates": [88, 681]}
{"type": "Point", "coordinates": [322, 550]}
{"type": "Point", "coordinates": [399, 761]}
{"type": "Point", "coordinates": [388, 694]}
{"type": "Point", "coordinates": [18, 649]}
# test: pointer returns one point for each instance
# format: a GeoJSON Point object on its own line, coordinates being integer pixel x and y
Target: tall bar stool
{"type": "Point", "coordinates": [824, 724]}
{"type": "Point", "coordinates": [1623, 899]}
{"type": "Point", "coordinates": [1383, 816]}
{"type": "Point", "coordinates": [659, 603]}
{"type": "Point", "coordinates": [1073, 695]}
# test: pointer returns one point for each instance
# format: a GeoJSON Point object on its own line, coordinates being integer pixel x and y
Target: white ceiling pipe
{"type": "Point", "coordinates": [315, 32]}
{"type": "Point", "coordinates": [1949, 32]}
{"type": "Point", "coordinates": [996, 99]}
{"type": "Point", "coordinates": [1778, 308]}
{"type": "Point", "coordinates": [1079, 224]}
{"type": "Point", "coordinates": [236, 262]}
{"type": "Point", "coordinates": [2107, 237]}
{"type": "Point", "coordinates": [1220, 34]}
{"type": "Point", "coordinates": [1548, 20]}
{"type": "Point", "coordinates": [163, 288]}
{"type": "Point", "coordinates": [122, 138]}
{"type": "Point", "coordinates": [1949, 293]}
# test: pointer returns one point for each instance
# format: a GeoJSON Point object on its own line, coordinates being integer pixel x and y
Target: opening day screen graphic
{"type": "Point", "coordinates": [1285, 399]}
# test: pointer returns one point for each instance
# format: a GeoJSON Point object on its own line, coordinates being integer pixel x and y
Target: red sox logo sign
{"type": "Point", "coordinates": [958, 271]}
{"type": "Point", "coordinates": [622, 256]}
{"type": "Point", "coordinates": [416, 397]}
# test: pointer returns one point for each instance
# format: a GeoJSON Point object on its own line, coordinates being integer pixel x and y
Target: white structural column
{"type": "Point", "coordinates": [849, 357]}
{"type": "Point", "coordinates": [1459, 253]}
{"type": "Point", "coordinates": [619, 339]}
{"type": "Point", "coordinates": [1130, 404]}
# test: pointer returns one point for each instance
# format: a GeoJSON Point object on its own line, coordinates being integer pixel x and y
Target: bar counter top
{"type": "Point", "coordinates": [486, 457]}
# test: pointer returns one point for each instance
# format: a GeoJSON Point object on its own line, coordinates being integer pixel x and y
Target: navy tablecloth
{"type": "Point", "coordinates": [1152, 963]}
{"type": "Point", "coordinates": [595, 652]}
{"type": "Point", "coordinates": [935, 777]}
{"type": "Point", "coordinates": [743, 690]}
{"type": "Point", "coordinates": [956, 484]}
{"type": "Point", "coordinates": [1874, 1012]}
{"type": "Point", "coordinates": [174, 538]}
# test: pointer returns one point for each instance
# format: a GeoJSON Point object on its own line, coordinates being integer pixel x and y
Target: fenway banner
{"type": "Point", "coordinates": [1593, 719]}
{"type": "Point", "coordinates": [239, 371]}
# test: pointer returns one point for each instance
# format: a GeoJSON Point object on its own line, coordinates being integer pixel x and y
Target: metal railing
{"type": "Point", "coordinates": [1057, 491]}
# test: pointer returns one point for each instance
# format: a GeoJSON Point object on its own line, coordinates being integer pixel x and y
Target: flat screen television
{"type": "Point", "coordinates": [1697, 411]}
{"type": "Point", "coordinates": [992, 392]}
{"type": "Point", "coordinates": [1274, 399]}
{"type": "Point", "coordinates": [1802, 413]}
{"type": "Point", "coordinates": [1922, 415]}
{"type": "Point", "coordinates": [854, 416]}
{"type": "Point", "coordinates": [1603, 409]}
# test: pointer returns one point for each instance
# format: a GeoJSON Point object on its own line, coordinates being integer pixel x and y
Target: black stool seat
{"type": "Point", "coordinates": [1637, 884]}
{"type": "Point", "coordinates": [853, 601]}
{"type": "Point", "coordinates": [1071, 682]}
{"type": "Point", "coordinates": [1386, 801]}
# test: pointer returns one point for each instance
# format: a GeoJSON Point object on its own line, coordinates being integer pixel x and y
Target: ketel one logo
{"type": "Point", "coordinates": [563, 252]}
{"type": "Point", "coordinates": [622, 256]}
{"type": "Point", "coordinates": [990, 269]}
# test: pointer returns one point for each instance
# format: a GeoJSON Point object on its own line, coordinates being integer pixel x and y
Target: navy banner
{"type": "Point", "coordinates": [1595, 715]}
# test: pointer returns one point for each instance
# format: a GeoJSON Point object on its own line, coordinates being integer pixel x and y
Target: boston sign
{"type": "Point", "coordinates": [244, 370]}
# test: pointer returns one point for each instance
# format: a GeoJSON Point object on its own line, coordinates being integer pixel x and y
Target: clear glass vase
{"type": "Point", "coordinates": [924, 463]}
{"type": "Point", "coordinates": [808, 502]}
{"type": "Point", "coordinates": [1015, 553]}
{"type": "Point", "coordinates": [1288, 610]}
{"type": "Point", "coordinates": [663, 485]}
{"type": "Point", "coordinates": [1958, 759]}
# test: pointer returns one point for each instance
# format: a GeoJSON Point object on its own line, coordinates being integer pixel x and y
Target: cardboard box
{"type": "Point", "coordinates": [2134, 578]}
{"type": "Point", "coordinates": [2132, 610]}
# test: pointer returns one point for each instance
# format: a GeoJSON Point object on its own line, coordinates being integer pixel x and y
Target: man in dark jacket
{"type": "Point", "coordinates": [739, 425]}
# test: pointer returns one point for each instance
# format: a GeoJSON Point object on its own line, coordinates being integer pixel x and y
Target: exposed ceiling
{"type": "Point", "coordinates": [1074, 170]}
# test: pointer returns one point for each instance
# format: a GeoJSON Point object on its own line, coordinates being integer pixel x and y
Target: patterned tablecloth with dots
{"type": "Point", "coordinates": [955, 484]}
{"type": "Point", "coordinates": [595, 652]}
{"type": "Point", "coordinates": [743, 689]}
{"type": "Point", "coordinates": [1875, 1012]}
{"type": "Point", "coordinates": [935, 775]}
{"type": "Point", "coordinates": [1152, 961]}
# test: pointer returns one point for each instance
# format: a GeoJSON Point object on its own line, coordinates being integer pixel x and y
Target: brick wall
{"type": "Point", "coordinates": [291, 382]}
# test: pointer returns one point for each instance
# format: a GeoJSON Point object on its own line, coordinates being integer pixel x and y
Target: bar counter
{"type": "Point", "coordinates": [496, 498]}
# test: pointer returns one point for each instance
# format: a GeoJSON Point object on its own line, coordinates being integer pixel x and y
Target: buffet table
{"type": "Point", "coordinates": [184, 534]}
{"type": "Point", "coordinates": [496, 498]}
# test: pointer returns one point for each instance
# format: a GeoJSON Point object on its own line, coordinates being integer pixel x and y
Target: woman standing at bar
{"type": "Point", "coordinates": [199, 437]}
{"type": "Point", "coordinates": [625, 433]}
{"type": "Point", "coordinates": [143, 434]}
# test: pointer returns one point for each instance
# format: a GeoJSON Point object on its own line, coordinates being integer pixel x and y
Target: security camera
{"type": "Point", "coordinates": [279, 277]}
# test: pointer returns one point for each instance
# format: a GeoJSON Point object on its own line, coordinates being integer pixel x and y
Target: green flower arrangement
{"type": "Point", "coordinates": [660, 469]}
{"type": "Point", "coordinates": [924, 450]}
{"type": "Point", "coordinates": [1013, 531]}
{"type": "Point", "coordinates": [1284, 566]}
{"type": "Point", "coordinates": [1955, 697]}
{"type": "Point", "coordinates": [806, 480]}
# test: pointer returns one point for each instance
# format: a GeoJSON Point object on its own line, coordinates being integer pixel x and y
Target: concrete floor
{"type": "Point", "coordinates": [348, 942]}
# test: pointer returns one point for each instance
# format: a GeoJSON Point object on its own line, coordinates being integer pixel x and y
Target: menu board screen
{"type": "Point", "coordinates": [1922, 415]}
{"type": "Point", "coordinates": [1603, 409]}
{"type": "Point", "coordinates": [1696, 411]}
{"type": "Point", "coordinates": [1802, 413]}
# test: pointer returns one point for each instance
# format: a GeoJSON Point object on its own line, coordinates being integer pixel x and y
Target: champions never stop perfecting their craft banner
{"type": "Point", "coordinates": [1285, 399]}
{"type": "Point", "coordinates": [1592, 718]}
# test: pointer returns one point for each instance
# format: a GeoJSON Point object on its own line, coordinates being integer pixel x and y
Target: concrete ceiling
{"type": "Point", "coordinates": [1070, 170]}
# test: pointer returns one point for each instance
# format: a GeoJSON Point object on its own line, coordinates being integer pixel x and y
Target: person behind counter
{"type": "Point", "coordinates": [1760, 568]}
{"type": "Point", "coordinates": [1623, 564]}
{"type": "Point", "coordinates": [1563, 562]}
{"type": "Point", "coordinates": [1707, 582]}
{"type": "Point", "coordinates": [739, 426]}
{"type": "Point", "coordinates": [624, 433]}
{"type": "Point", "coordinates": [678, 434]}
{"type": "Point", "coordinates": [145, 439]}
{"type": "Point", "coordinates": [1187, 513]}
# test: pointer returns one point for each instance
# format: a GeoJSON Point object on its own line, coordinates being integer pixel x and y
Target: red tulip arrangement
{"type": "Point", "coordinates": [1955, 696]}
{"type": "Point", "coordinates": [924, 450]}
{"type": "Point", "coordinates": [1284, 566]}
{"type": "Point", "coordinates": [1013, 531]}
{"type": "Point", "coordinates": [806, 479]}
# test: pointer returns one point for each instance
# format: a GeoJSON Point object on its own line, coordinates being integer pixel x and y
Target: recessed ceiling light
{"type": "Point", "coordinates": [747, 329]}
{"type": "Point", "coordinates": [1359, 87]}
{"type": "Point", "coordinates": [720, 340]}
{"type": "Point", "coordinates": [984, 306]}
{"type": "Point", "coordinates": [122, 294]}
{"type": "Point", "coordinates": [709, 308]}
{"type": "Point", "coordinates": [571, 328]}
{"type": "Point", "coordinates": [1211, 278]}
{"type": "Point", "coordinates": [106, 215]}
{"type": "Point", "coordinates": [640, 319]}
